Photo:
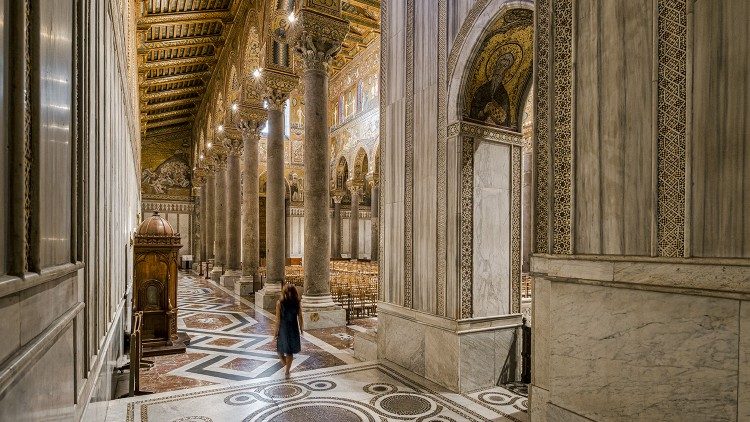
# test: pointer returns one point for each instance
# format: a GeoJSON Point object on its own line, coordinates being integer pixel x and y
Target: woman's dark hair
{"type": "Point", "coordinates": [289, 295]}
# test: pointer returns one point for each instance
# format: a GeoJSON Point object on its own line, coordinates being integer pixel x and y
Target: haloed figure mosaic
{"type": "Point", "coordinates": [289, 325]}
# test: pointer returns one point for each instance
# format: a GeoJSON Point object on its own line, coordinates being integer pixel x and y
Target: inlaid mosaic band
{"type": "Point", "coordinates": [672, 126]}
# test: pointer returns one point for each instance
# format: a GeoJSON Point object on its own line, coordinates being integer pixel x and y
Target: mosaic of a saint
{"type": "Point", "coordinates": [491, 103]}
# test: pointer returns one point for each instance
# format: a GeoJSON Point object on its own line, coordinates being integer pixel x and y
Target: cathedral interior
{"type": "Point", "coordinates": [507, 210]}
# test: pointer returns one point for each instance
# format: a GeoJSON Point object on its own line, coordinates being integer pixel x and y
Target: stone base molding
{"type": "Point", "coordinates": [243, 286]}
{"type": "Point", "coordinates": [461, 355]}
{"type": "Point", "coordinates": [267, 297]}
{"type": "Point", "coordinates": [643, 330]}
{"type": "Point", "coordinates": [216, 274]}
{"type": "Point", "coordinates": [230, 277]}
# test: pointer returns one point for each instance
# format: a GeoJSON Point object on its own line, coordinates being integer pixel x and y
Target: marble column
{"type": "Point", "coordinates": [356, 194]}
{"type": "Point", "coordinates": [275, 212]}
{"type": "Point", "coordinates": [316, 48]}
{"type": "Point", "coordinates": [375, 221]}
{"type": "Point", "coordinates": [336, 231]}
{"type": "Point", "coordinates": [232, 269]}
{"type": "Point", "coordinates": [220, 214]}
{"type": "Point", "coordinates": [210, 220]}
{"type": "Point", "coordinates": [250, 281]}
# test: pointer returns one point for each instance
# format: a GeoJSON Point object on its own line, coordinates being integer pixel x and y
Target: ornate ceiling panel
{"type": "Point", "coordinates": [364, 27]}
{"type": "Point", "coordinates": [179, 42]}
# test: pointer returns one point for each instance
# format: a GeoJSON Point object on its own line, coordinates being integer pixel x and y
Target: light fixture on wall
{"type": "Point", "coordinates": [202, 157]}
{"type": "Point", "coordinates": [208, 145]}
{"type": "Point", "coordinates": [291, 18]}
{"type": "Point", "coordinates": [220, 128]}
{"type": "Point", "coordinates": [256, 73]}
{"type": "Point", "coordinates": [235, 107]}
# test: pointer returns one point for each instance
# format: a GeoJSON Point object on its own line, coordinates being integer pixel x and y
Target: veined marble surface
{"type": "Point", "coordinates": [359, 392]}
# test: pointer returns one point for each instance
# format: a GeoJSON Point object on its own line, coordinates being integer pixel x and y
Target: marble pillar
{"type": "Point", "coordinates": [203, 222]}
{"type": "Point", "coordinates": [232, 270]}
{"type": "Point", "coordinates": [316, 49]}
{"type": "Point", "coordinates": [220, 215]}
{"type": "Point", "coordinates": [275, 212]}
{"type": "Point", "coordinates": [356, 194]}
{"type": "Point", "coordinates": [250, 281]}
{"type": "Point", "coordinates": [375, 214]}
{"type": "Point", "coordinates": [210, 221]}
{"type": "Point", "coordinates": [336, 223]}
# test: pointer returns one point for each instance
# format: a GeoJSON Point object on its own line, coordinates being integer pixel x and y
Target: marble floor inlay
{"type": "Point", "coordinates": [368, 391]}
{"type": "Point", "coordinates": [230, 341]}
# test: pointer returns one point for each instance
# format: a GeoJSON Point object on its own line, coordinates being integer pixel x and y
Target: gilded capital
{"type": "Point", "coordinates": [338, 195]}
{"type": "Point", "coordinates": [277, 86]}
{"type": "Point", "coordinates": [233, 141]}
{"type": "Point", "coordinates": [318, 33]}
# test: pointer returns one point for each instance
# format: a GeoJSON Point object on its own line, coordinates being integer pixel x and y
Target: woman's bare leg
{"type": "Point", "coordinates": [288, 364]}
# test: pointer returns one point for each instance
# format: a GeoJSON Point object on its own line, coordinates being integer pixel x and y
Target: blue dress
{"type": "Point", "coordinates": [288, 341]}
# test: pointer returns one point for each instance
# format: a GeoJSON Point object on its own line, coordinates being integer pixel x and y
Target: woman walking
{"type": "Point", "coordinates": [289, 324]}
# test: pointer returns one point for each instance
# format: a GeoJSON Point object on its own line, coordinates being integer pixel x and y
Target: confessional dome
{"type": "Point", "coordinates": [156, 225]}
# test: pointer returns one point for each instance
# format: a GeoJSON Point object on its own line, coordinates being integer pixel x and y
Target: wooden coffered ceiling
{"type": "Point", "coordinates": [364, 27]}
{"type": "Point", "coordinates": [179, 43]}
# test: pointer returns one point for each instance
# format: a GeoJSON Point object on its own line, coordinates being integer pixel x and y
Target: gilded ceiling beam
{"type": "Point", "coordinates": [176, 78]}
{"type": "Point", "coordinates": [167, 104]}
{"type": "Point", "coordinates": [184, 18]}
{"type": "Point", "coordinates": [187, 61]}
{"type": "Point", "coordinates": [375, 4]}
{"type": "Point", "coordinates": [150, 125]}
{"type": "Point", "coordinates": [166, 114]}
{"type": "Point", "coordinates": [361, 20]}
{"type": "Point", "coordinates": [172, 93]}
{"type": "Point", "coordinates": [167, 133]}
{"type": "Point", "coordinates": [214, 40]}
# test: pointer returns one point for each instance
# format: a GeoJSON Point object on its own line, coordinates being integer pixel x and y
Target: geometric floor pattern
{"type": "Point", "coordinates": [357, 392]}
{"type": "Point", "coordinates": [230, 341]}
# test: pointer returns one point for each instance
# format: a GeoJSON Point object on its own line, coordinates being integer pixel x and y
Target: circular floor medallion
{"type": "Point", "coordinates": [239, 399]}
{"type": "Point", "coordinates": [495, 398]}
{"type": "Point", "coordinates": [283, 391]}
{"type": "Point", "coordinates": [380, 388]}
{"type": "Point", "coordinates": [325, 410]}
{"type": "Point", "coordinates": [405, 404]}
{"type": "Point", "coordinates": [321, 385]}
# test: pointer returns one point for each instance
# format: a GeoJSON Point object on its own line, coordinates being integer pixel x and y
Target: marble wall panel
{"type": "Point", "coordinates": [720, 156]}
{"type": "Point", "coordinates": [53, 128]}
{"type": "Point", "coordinates": [482, 357]}
{"type": "Point", "coordinates": [743, 393]}
{"type": "Point", "coordinates": [393, 198]}
{"type": "Point", "coordinates": [45, 391]}
{"type": "Point", "coordinates": [491, 284]}
{"type": "Point", "coordinates": [403, 342]}
{"type": "Point", "coordinates": [441, 352]}
{"type": "Point", "coordinates": [665, 356]}
{"type": "Point", "coordinates": [456, 13]}
{"type": "Point", "coordinates": [452, 227]}
{"type": "Point", "coordinates": [4, 48]}
{"type": "Point", "coordinates": [541, 327]}
{"type": "Point", "coordinates": [44, 303]}
{"type": "Point", "coordinates": [297, 236]}
{"type": "Point", "coordinates": [425, 195]}
{"type": "Point", "coordinates": [10, 328]}
{"type": "Point", "coordinates": [346, 244]}
{"type": "Point", "coordinates": [613, 123]}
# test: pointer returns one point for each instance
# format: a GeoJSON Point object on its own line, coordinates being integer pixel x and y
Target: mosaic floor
{"type": "Point", "coordinates": [231, 341]}
{"type": "Point", "coordinates": [358, 392]}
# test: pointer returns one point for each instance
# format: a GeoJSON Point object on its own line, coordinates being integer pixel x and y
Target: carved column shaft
{"type": "Point", "coordinates": [356, 193]}
{"type": "Point", "coordinates": [375, 214]}
{"type": "Point", "coordinates": [275, 190]}
{"type": "Point", "coordinates": [251, 235]}
{"type": "Point", "coordinates": [336, 229]}
{"type": "Point", "coordinates": [210, 220]}
{"type": "Point", "coordinates": [233, 198]}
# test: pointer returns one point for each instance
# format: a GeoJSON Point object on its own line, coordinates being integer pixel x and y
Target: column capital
{"type": "Point", "coordinates": [277, 86]}
{"type": "Point", "coordinates": [338, 195]}
{"type": "Point", "coordinates": [356, 187]}
{"type": "Point", "coordinates": [373, 179]}
{"type": "Point", "coordinates": [199, 177]}
{"type": "Point", "coordinates": [318, 33]}
{"type": "Point", "coordinates": [233, 141]}
{"type": "Point", "coordinates": [218, 154]}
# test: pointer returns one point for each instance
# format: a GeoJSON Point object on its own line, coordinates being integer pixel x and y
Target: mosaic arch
{"type": "Point", "coordinates": [500, 71]}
